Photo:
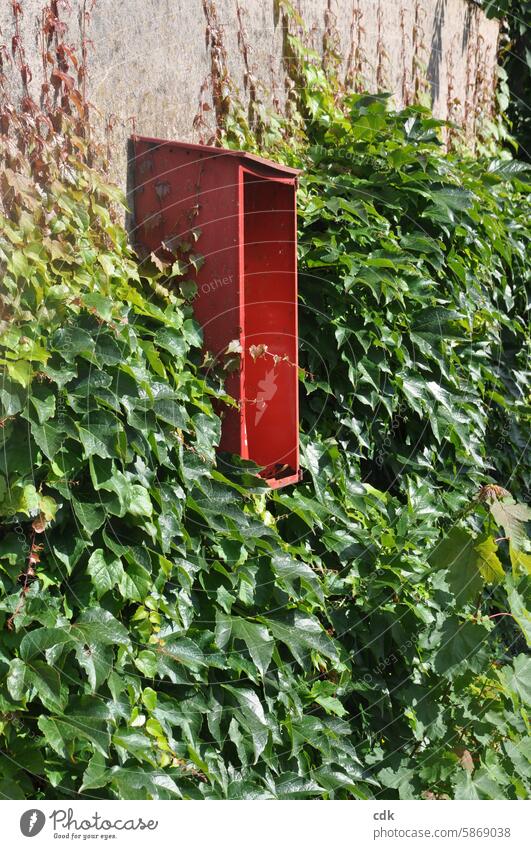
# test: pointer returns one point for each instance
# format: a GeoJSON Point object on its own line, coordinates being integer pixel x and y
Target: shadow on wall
{"type": "Point", "coordinates": [467, 26]}
{"type": "Point", "coordinates": [434, 64]}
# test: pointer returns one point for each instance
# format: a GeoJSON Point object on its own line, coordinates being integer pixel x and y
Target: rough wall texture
{"type": "Point", "coordinates": [154, 62]}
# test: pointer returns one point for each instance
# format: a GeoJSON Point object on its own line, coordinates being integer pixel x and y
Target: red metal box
{"type": "Point", "coordinates": [245, 208]}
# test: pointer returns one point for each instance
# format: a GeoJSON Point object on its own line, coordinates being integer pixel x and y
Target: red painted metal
{"type": "Point", "coordinates": [245, 207]}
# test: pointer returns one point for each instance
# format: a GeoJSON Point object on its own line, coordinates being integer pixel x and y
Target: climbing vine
{"type": "Point", "coordinates": [515, 73]}
{"type": "Point", "coordinates": [172, 630]}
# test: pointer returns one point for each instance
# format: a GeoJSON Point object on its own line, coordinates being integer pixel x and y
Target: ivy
{"type": "Point", "coordinates": [169, 627]}
{"type": "Point", "coordinates": [515, 70]}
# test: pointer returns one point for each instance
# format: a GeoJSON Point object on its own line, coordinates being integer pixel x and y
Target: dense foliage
{"type": "Point", "coordinates": [515, 73]}
{"type": "Point", "coordinates": [168, 631]}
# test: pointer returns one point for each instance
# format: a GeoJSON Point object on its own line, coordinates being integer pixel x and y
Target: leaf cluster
{"type": "Point", "coordinates": [169, 628]}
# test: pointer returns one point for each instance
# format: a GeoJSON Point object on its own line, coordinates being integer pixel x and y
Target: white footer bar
{"type": "Point", "coordinates": [265, 825]}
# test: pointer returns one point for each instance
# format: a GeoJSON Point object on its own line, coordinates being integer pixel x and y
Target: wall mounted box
{"type": "Point", "coordinates": [245, 207]}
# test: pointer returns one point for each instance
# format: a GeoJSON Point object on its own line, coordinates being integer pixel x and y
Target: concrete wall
{"type": "Point", "coordinates": [153, 63]}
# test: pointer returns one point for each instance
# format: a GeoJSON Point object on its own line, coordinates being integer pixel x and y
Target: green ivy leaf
{"type": "Point", "coordinates": [20, 371]}
{"type": "Point", "coordinates": [97, 661]}
{"type": "Point", "coordinates": [517, 678]}
{"type": "Point", "coordinates": [489, 563]}
{"type": "Point", "coordinates": [134, 582]}
{"type": "Point", "coordinates": [462, 646]}
{"type": "Point", "coordinates": [96, 625]}
{"type": "Point", "coordinates": [48, 683]}
{"type": "Point", "coordinates": [512, 516]}
{"type": "Point", "coordinates": [458, 554]}
{"type": "Point", "coordinates": [60, 732]}
{"type": "Point", "coordinates": [256, 637]}
{"type": "Point", "coordinates": [519, 609]}
{"type": "Point", "coordinates": [301, 633]}
{"type": "Point", "coordinates": [16, 679]}
{"type": "Point", "coordinates": [105, 571]}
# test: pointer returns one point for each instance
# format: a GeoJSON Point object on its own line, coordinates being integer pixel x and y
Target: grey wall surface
{"type": "Point", "coordinates": [154, 63]}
